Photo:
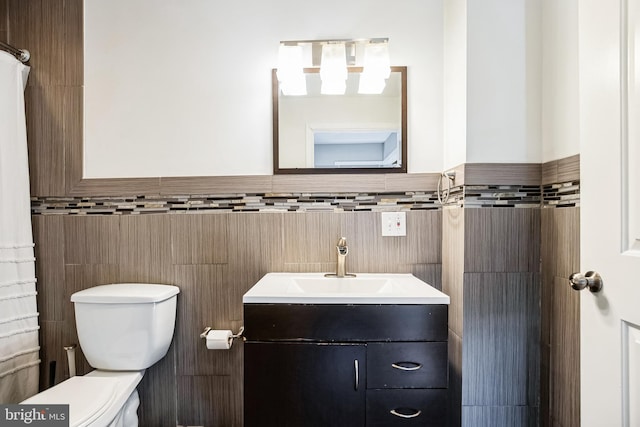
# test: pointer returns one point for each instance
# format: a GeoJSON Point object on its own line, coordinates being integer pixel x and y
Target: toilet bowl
{"type": "Point", "coordinates": [122, 329]}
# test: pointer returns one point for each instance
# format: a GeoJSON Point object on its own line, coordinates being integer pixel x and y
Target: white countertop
{"type": "Point", "coordinates": [365, 288]}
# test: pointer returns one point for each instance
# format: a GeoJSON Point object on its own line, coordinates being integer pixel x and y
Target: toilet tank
{"type": "Point", "coordinates": [126, 326]}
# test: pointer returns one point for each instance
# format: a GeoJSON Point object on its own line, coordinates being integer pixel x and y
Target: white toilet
{"type": "Point", "coordinates": [123, 329]}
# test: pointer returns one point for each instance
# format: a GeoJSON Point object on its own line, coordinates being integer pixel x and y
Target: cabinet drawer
{"type": "Point", "coordinates": [407, 365]}
{"type": "Point", "coordinates": [336, 323]}
{"type": "Point", "coordinates": [410, 408]}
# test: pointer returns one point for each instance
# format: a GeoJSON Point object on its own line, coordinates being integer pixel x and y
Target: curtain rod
{"type": "Point", "coordinates": [23, 55]}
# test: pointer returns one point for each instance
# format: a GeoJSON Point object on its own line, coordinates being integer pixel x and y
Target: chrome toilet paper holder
{"type": "Point", "coordinates": [233, 336]}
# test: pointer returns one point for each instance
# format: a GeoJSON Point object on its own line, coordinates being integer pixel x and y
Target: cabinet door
{"type": "Point", "coordinates": [304, 384]}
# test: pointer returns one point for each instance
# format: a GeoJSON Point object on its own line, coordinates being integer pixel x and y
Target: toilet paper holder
{"type": "Point", "coordinates": [233, 336]}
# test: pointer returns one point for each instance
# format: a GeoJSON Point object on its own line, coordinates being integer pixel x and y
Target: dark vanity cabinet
{"type": "Point", "coordinates": [345, 365]}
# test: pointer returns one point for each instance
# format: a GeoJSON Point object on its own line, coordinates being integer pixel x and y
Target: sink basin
{"type": "Point", "coordinates": [365, 288]}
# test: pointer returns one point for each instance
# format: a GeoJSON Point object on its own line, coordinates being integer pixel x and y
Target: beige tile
{"type": "Point", "coordinates": [502, 240]}
{"type": "Point", "coordinates": [453, 264]}
{"type": "Point", "coordinates": [550, 172]}
{"type": "Point", "coordinates": [115, 186]}
{"type": "Point", "coordinates": [429, 273]}
{"type": "Point", "coordinates": [204, 300]}
{"type": "Point", "coordinates": [564, 358]}
{"type": "Point", "coordinates": [259, 250]}
{"type": "Point", "coordinates": [310, 267]}
{"type": "Point", "coordinates": [411, 181]}
{"type": "Point", "coordinates": [311, 237]}
{"type": "Point", "coordinates": [53, 359]}
{"type": "Point", "coordinates": [45, 138]}
{"type": "Point", "coordinates": [210, 400]}
{"type": "Point", "coordinates": [502, 173]}
{"type": "Point", "coordinates": [158, 393]}
{"type": "Point", "coordinates": [48, 235]}
{"type": "Point", "coordinates": [92, 239]}
{"type": "Point", "coordinates": [329, 183]}
{"type": "Point", "coordinates": [73, 43]}
{"type": "Point", "coordinates": [501, 339]}
{"type": "Point", "coordinates": [216, 184]}
{"type": "Point", "coordinates": [567, 233]}
{"type": "Point", "coordinates": [39, 26]}
{"type": "Point", "coordinates": [79, 277]}
{"type": "Point", "coordinates": [569, 168]}
{"type": "Point", "coordinates": [199, 238]}
{"type": "Point", "coordinates": [73, 136]}
{"type": "Point", "coordinates": [4, 16]}
{"type": "Point", "coordinates": [145, 249]}
{"type": "Point", "coordinates": [454, 398]}
{"type": "Point", "coordinates": [369, 251]}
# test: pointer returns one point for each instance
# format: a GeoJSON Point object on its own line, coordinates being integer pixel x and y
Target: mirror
{"type": "Point", "coordinates": [350, 133]}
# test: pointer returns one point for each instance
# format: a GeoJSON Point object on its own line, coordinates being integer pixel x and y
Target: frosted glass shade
{"type": "Point", "coordinates": [376, 68]}
{"type": "Point", "coordinates": [290, 70]}
{"type": "Point", "coordinates": [333, 69]}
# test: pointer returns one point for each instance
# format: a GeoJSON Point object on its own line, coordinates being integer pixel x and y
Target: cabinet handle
{"type": "Point", "coordinates": [355, 368]}
{"type": "Point", "coordinates": [407, 368]}
{"type": "Point", "coordinates": [398, 414]}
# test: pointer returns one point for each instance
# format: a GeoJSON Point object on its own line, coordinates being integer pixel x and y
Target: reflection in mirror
{"type": "Point", "coordinates": [354, 132]}
{"type": "Point", "coordinates": [356, 148]}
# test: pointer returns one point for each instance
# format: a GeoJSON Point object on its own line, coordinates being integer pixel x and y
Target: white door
{"type": "Point", "coordinates": [609, 46]}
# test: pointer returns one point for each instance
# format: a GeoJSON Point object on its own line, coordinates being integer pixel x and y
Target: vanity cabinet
{"type": "Point", "coordinates": [345, 365]}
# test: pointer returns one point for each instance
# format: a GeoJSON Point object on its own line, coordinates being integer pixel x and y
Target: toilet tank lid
{"type": "Point", "coordinates": [124, 293]}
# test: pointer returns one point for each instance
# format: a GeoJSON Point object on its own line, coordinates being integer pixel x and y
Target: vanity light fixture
{"type": "Point", "coordinates": [376, 68]}
{"type": "Point", "coordinates": [291, 70]}
{"type": "Point", "coordinates": [332, 57]}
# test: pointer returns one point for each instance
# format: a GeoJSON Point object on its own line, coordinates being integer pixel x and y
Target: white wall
{"type": "Point", "coordinates": [492, 82]}
{"type": "Point", "coordinates": [503, 81]}
{"type": "Point", "coordinates": [455, 83]}
{"type": "Point", "coordinates": [560, 122]}
{"type": "Point", "coordinates": [175, 88]}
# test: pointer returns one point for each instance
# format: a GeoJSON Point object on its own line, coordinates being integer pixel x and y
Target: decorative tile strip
{"type": "Point", "coordinates": [561, 195]}
{"type": "Point", "coordinates": [500, 196]}
{"type": "Point", "coordinates": [471, 196]}
{"type": "Point", "coordinates": [271, 202]}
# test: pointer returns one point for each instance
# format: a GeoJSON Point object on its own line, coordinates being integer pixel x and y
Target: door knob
{"type": "Point", "coordinates": [591, 280]}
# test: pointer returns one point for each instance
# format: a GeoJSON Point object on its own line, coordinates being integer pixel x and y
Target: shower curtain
{"type": "Point", "coordinates": [19, 349]}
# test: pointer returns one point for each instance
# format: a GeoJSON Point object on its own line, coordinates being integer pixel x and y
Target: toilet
{"type": "Point", "coordinates": [122, 330]}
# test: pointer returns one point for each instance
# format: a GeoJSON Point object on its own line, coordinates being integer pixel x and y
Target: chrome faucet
{"type": "Point", "coordinates": [341, 266]}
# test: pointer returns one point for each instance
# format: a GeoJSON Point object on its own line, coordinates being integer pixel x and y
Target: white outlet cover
{"type": "Point", "coordinates": [394, 223]}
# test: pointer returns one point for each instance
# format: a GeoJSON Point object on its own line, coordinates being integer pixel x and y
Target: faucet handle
{"type": "Point", "coordinates": [342, 246]}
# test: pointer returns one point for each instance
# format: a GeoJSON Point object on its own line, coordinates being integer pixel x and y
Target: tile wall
{"type": "Point", "coordinates": [491, 271]}
{"type": "Point", "coordinates": [214, 258]}
{"type": "Point", "coordinates": [505, 267]}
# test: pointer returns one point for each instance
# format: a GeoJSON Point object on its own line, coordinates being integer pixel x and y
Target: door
{"type": "Point", "coordinates": [610, 211]}
{"type": "Point", "coordinates": [289, 384]}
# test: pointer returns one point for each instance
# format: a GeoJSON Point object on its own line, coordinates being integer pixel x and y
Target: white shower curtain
{"type": "Point", "coordinates": [19, 349]}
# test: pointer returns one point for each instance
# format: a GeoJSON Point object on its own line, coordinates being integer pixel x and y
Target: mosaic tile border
{"type": "Point", "coordinates": [561, 195]}
{"type": "Point", "coordinates": [471, 196]}
{"type": "Point", "coordinates": [289, 202]}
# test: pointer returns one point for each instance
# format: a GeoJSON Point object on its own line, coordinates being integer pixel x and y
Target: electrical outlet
{"type": "Point", "coordinates": [394, 223]}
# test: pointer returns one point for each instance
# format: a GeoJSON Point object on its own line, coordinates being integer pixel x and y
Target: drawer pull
{"type": "Point", "coordinates": [398, 414]}
{"type": "Point", "coordinates": [356, 370]}
{"type": "Point", "coordinates": [415, 366]}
